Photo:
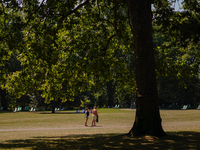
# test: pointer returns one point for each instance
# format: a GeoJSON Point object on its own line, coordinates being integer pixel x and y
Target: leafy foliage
{"type": "Point", "coordinates": [66, 47]}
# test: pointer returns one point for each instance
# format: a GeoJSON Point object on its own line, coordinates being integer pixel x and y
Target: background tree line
{"type": "Point", "coordinates": [173, 87]}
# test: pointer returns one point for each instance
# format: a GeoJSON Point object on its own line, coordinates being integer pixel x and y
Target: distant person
{"type": "Point", "coordinates": [94, 116]}
{"type": "Point", "coordinates": [83, 111]}
{"type": "Point", "coordinates": [86, 115]}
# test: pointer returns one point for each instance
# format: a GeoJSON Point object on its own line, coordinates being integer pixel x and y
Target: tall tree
{"type": "Point", "coordinates": [147, 120]}
{"type": "Point", "coordinates": [3, 99]}
{"type": "Point", "coordinates": [110, 92]}
{"type": "Point", "coordinates": [54, 35]}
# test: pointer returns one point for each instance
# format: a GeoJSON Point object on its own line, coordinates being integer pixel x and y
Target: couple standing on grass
{"type": "Point", "coordinates": [94, 115]}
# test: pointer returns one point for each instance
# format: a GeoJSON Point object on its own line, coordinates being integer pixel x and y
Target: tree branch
{"type": "Point", "coordinates": [107, 44]}
{"type": "Point", "coordinates": [115, 17]}
{"type": "Point", "coordinates": [34, 12]}
{"type": "Point", "coordinates": [129, 21]}
{"type": "Point", "coordinates": [78, 7]}
{"type": "Point", "coordinates": [99, 9]}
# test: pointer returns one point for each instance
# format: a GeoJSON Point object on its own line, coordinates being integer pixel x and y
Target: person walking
{"type": "Point", "coordinates": [94, 116]}
{"type": "Point", "coordinates": [86, 115]}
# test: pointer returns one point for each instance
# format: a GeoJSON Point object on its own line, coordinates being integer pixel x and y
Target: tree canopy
{"type": "Point", "coordinates": [68, 50]}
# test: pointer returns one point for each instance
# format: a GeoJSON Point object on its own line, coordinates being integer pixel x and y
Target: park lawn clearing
{"type": "Point", "coordinates": [65, 129]}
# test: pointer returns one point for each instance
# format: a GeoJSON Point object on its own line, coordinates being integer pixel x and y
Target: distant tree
{"type": "Point", "coordinates": [110, 92]}
{"type": "Point", "coordinates": [3, 98]}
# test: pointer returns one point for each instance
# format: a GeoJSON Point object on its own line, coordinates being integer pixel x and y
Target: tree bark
{"type": "Point", "coordinates": [147, 120]}
{"type": "Point", "coordinates": [53, 106]}
{"type": "Point", "coordinates": [4, 100]}
{"type": "Point", "coordinates": [110, 92]}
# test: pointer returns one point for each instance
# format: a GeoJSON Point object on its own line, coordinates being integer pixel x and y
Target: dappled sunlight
{"type": "Point", "coordinates": [66, 131]}
{"type": "Point", "coordinates": [174, 140]}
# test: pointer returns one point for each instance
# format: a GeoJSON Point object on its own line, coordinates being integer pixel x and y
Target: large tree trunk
{"type": "Point", "coordinates": [147, 120]}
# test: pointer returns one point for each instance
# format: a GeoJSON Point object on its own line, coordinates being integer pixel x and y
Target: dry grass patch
{"type": "Point", "coordinates": [66, 130]}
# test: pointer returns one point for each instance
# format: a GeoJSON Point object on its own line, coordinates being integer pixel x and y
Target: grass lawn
{"type": "Point", "coordinates": [66, 130]}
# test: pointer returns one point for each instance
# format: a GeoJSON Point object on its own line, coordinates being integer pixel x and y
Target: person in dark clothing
{"type": "Point", "coordinates": [86, 115]}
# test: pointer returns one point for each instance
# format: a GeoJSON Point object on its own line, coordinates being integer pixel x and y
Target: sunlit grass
{"type": "Point", "coordinates": [65, 129]}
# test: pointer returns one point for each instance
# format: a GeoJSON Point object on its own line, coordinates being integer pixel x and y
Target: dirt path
{"type": "Point", "coordinates": [96, 127]}
{"type": "Point", "coordinates": [67, 128]}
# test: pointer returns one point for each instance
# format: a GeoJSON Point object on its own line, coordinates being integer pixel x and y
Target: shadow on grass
{"type": "Point", "coordinates": [59, 112]}
{"type": "Point", "coordinates": [174, 140]}
{"type": "Point", "coordinates": [7, 111]}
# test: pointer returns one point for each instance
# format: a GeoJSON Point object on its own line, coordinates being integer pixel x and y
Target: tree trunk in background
{"type": "Point", "coordinates": [4, 101]}
{"type": "Point", "coordinates": [147, 120]}
{"type": "Point", "coordinates": [53, 106]}
{"type": "Point", "coordinates": [110, 92]}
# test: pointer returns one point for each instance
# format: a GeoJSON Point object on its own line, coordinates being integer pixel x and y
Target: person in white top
{"type": "Point", "coordinates": [94, 116]}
